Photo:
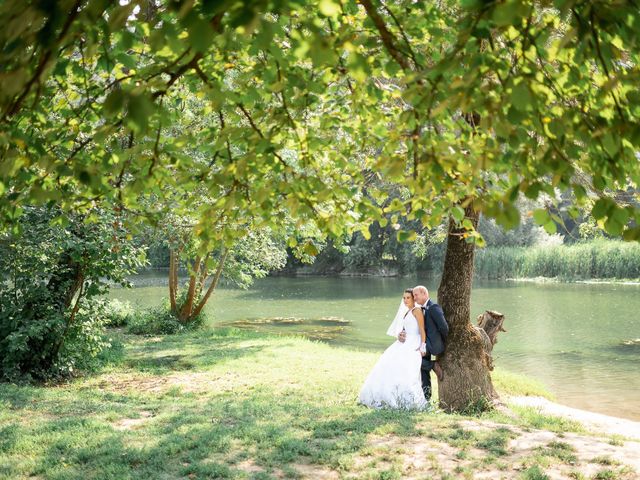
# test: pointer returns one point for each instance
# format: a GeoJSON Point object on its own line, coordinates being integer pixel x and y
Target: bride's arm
{"type": "Point", "coordinates": [420, 318]}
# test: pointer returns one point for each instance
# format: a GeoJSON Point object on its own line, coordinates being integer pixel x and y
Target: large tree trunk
{"type": "Point", "coordinates": [466, 384]}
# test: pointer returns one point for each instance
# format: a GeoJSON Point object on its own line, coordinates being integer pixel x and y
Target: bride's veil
{"type": "Point", "coordinates": [396, 326]}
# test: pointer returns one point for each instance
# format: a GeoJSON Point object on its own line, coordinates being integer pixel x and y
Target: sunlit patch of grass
{"type": "Point", "coordinates": [457, 437]}
{"type": "Point", "coordinates": [560, 450]}
{"type": "Point", "coordinates": [606, 475]}
{"type": "Point", "coordinates": [534, 473]}
{"type": "Point", "coordinates": [495, 441]}
{"type": "Point", "coordinates": [509, 383]}
{"type": "Point", "coordinates": [577, 475]}
{"type": "Point", "coordinates": [533, 418]}
{"type": "Point", "coordinates": [616, 440]}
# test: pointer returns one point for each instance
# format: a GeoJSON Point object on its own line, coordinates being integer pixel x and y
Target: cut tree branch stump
{"type": "Point", "coordinates": [489, 325]}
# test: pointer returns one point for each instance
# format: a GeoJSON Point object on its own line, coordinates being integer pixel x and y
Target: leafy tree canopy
{"type": "Point", "coordinates": [293, 109]}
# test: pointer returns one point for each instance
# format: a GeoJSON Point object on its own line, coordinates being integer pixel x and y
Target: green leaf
{"type": "Point", "coordinates": [521, 97]}
{"type": "Point", "coordinates": [601, 208]}
{"type": "Point", "coordinates": [406, 236]}
{"type": "Point", "coordinates": [509, 13]}
{"type": "Point", "coordinates": [533, 190]}
{"type": "Point", "coordinates": [550, 227]}
{"type": "Point", "coordinates": [579, 191]}
{"type": "Point", "coordinates": [114, 103]}
{"type": "Point", "coordinates": [310, 249]}
{"type": "Point", "coordinates": [457, 213]}
{"type": "Point", "coordinates": [140, 109]}
{"type": "Point", "coordinates": [200, 35]}
{"type": "Point", "coordinates": [508, 216]}
{"type": "Point", "coordinates": [632, 234]}
{"type": "Point", "coordinates": [329, 8]}
{"type": "Point", "coordinates": [541, 216]}
{"type": "Point", "coordinates": [610, 144]}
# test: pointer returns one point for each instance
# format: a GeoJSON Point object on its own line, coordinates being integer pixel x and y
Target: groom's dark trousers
{"type": "Point", "coordinates": [437, 329]}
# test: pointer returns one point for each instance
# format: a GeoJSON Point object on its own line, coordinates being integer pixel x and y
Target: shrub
{"type": "Point", "coordinates": [55, 267]}
{"type": "Point", "coordinates": [160, 321]}
{"type": "Point", "coordinates": [117, 313]}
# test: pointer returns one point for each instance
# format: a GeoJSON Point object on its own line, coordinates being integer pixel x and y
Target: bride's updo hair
{"type": "Point", "coordinates": [408, 290]}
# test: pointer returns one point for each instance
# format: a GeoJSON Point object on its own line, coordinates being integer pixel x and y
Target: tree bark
{"type": "Point", "coordinates": [202, 277]}
{"type": "Point", "coordinates": [185, 311]}
{"type": "Point", "coordinates": [467, 383]}
{"type": "Point", "coordinates": [213, 285]}
{"type": "Point", "coordinates": [70, 322]}
{"type": "Point", "coordinates": [173, 280]}
{"type": "Point", "coordinates": [489, 325]}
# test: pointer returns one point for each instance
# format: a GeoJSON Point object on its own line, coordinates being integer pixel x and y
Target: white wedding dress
{"type": "Point", "coordinates": [395, 380]}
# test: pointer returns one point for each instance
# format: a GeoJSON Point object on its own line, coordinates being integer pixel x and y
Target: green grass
{"type": "Point", "coordinates": [222, 404]}
{"type": "Point", "coordinates": [533, 418]}
{"type": "Point", "coordinates": [534, 473]}
{"type": "Point", "coordinates": [513, 384]}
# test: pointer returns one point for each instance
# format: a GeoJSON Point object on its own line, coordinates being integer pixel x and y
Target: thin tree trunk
{"type": "Point", "coordinates": [213, 285]}
{"type": "Point", "coordinates": [176, 270]}
{"type": "Point", "coordinates": [467, 383]}
{"type": "Point", "coordinates": [66, 279]}
{"type": "Point", "coordinates": [173, 274]}
{"type": "Point", "coordinates": [70, 322]}
{"type": "Point", "coordinates": [204, 273]}
{"type": "Point", "coordinates": [185, 311]}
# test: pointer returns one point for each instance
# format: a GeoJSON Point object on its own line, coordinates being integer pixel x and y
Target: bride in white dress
{"type": "Point", "coordinates": [395, 381]}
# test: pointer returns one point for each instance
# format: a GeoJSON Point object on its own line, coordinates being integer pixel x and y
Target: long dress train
{"type": "Point", "coordinates": [395, 381]}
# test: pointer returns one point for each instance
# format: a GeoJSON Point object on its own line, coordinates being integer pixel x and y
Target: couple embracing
{"type": "Point", "coordinates": [401, 377]}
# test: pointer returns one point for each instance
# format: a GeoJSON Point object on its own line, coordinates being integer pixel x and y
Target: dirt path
{"type": "Point", "coordinates": [548, 454]}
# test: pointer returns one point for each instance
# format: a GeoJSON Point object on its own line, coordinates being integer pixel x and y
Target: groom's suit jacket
{"type": "Point", "coordinates": [436, 327]}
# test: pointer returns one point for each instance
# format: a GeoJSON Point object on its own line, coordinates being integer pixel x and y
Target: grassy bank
{"type": "Point", "coordinates": [228, 404]}
{"type": "Point", "coordinates": [599, 259]}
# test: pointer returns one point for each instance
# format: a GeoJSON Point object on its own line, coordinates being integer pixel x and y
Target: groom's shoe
{"type": "Point", "coordinates": [438, 371]}
{"type": "Point", "coordinates": [427, 393]}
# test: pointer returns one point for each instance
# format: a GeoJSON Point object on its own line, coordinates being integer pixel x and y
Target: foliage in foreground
{"type": "Point", "coordinates": [51, 317]}
{"type": "Point", "coordinates": [294, 107]}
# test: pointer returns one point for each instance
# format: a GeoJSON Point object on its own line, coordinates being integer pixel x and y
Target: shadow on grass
{"type": "Point", "coordinates": [225, 437]}
{"type": "Point", "coordinates": [19, 396]}
{"type": "Point", "coordinates": [157, 363]}
{"type": "Point", "coordinates": [86, 432]}
{"type": "Point", "coordinates": [189, 351]}
{"type": "Point", "coordinates": [265, 434]}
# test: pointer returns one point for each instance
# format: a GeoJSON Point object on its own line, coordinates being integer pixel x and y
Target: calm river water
{"type": "Point", "coordinates": [582, 341]}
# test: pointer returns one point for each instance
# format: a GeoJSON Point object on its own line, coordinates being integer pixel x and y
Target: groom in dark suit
{"type": "Point", "coordinates": [436, 328]}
